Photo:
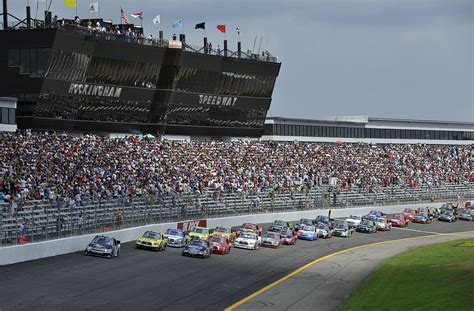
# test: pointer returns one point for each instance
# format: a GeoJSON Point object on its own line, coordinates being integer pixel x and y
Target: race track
{"type": "Point", "coordinates": [145, 280]}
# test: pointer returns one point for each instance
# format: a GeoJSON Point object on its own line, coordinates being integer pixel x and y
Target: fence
{"type": "Point", "coordinates": [35, 221]}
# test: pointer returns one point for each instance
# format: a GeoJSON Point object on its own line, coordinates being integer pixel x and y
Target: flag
{"type": "Point", "coordinates": [200, 26]}
{"type": "Point", "coordinates": [221, 28]}
{"type": "Point", "coordinates": [70, 3]}
{"type": "Point", "coordinates": [178, 23]}
{"type": "Point", "coordinates": [137, 15]}
{"type": "Point", "coordinates": [94, 7]}
{"type": "Point", "coordinates": [157, 20]}
{"type": "Point", "coordinates": [123, 16]}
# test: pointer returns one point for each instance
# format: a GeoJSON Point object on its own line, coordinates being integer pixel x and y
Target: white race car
{"type": "Point", "coordinates": [323, 231]}
{"type": "Point", "coordinates": [247, 240]}
{"type": "Point", "coordinates": [342, 229]}
{"type": "Point", "coordinates": [353, 221]}
{"type": "Point", "coordinates": [383, 224]}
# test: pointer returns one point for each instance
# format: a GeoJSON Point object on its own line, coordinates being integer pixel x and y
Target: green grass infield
{"type": "Point", "coordinates": [432, 277]}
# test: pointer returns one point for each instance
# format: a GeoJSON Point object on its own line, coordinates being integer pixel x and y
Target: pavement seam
{"type": "Point", "coordinates": [304, 267]}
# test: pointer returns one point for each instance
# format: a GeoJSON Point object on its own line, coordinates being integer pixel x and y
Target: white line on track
{"type": "Point", "coordinates": [421, 231]}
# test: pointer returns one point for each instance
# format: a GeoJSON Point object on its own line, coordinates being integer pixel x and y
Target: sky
{"type": "Point", "coordinates": [408, 59]}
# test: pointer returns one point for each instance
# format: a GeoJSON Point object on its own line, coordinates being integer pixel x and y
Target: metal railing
{"type": "Point", "coordinates": [94, 33]}
{"type": "Point", "coordinates": [35, 221]}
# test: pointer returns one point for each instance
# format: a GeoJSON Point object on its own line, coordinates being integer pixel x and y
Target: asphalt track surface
{"type": "Point", "coordinates": [146, 280]}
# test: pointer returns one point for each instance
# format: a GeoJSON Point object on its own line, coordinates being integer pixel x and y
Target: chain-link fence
{"type": "Point", "coordinates": [33, 221]}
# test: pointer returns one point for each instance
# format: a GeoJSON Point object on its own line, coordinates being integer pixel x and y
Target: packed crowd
{"type": "Point", "coordinates": [49, 165]}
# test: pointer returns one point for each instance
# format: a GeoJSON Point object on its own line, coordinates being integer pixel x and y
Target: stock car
{"type": "Point", "coordinates": [447, 215]}
{"type": "Point", "coordinates": [282, 223]}
{"type": "Point", "coordinates": [409, 213]}
{"type": "Point", "coordinates": [322, 219]}
{"type": "Point", "coordinates": [220, 244]}
{"type": "Point", "coordinates": [151, 240]}
{"type": "Point", "coordinates": [308, 233]}
{"type": "Point", "coordinates": [288, 238]}
{"type": "Point", "coordinates": [247, 240]}
{"type": "Point", "coordinates": [226, 232]}
{"type": "Point", "coordinates": [367, 226]}
{"type": "Point", "coordinates": [342, 229]}
{"type": "Point", "coordinates": [103, 246]}
{"type": "Point", "coordinates": [422, 218]}
{"type": "Point", "coordinates": [383, 224]}
{"type": "Point", "coordinates": [199, 232]}
{"type": "Point", "coordinates": [323, 231]}
{"type": "Point", "coordinates": [466, 214]}
{"type": "Point", "coordinates": [197, 248]}
{"type": "Point", "coordinates": [176, 237]}
{"type": "Point", "coordinates": [249, 227]}
{"type": "Point", "coordinates": [271, 239]}
{"type": "Point", "coordinates": [303, 221]}
{"type": "Point", "coordinates": [398, 221]}
{"type": "Point", "coordinates": [277, 229]}
{"type": "Point", "coordinates": [353, 221]}
{"type": "Point", "coordinates": [373, 215]}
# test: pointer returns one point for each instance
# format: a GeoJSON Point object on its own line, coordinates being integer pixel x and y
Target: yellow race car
{"type": "Point", "coordinates": [226, 232]}
{"type": "Point", "coordinates": [200, 233]}
{"type": "Point", "coordinates": [152, 240]}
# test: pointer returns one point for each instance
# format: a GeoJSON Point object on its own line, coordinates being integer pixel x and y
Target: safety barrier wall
{"type": "Point", "coordinates": [27, 252]}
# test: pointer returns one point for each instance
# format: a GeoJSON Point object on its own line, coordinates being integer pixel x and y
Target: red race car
{"type": "Point", "coordinates": [220, 245]}
{"type": "Point", "coordinates": [409, 213]}
{"type": "Point", "coordinates": [288, 238]}
{"type": "Point", "coordinates": [398, 221]}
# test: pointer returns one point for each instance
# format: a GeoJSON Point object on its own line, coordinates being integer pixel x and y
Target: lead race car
{"type": "Point", "coordinates": [323, 231]}
{"type": "Point", "coordinates": [197, 248]}
{"type": "Point", "coordinates": [247, 240]}
{"type": "Point", "coordinates": [103, 246]}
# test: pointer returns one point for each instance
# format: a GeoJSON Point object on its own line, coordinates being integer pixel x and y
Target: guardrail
{"type": "Point", "coordinates": [32, 251]}
{"type": "Point", "coordinates": [33, 221]}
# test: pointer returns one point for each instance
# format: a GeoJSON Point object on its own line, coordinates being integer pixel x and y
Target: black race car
{"type": "Point", "coordinates": [367, 226]}
{"type": "Point", "coordinates": [198, 248]}
{"type": "Point", "coordinates": [103, 246]}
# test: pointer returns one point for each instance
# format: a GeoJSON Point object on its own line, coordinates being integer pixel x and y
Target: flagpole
{"type": "Point", "coordinates": [76, 7]}
{"type": "Point", "coordinates": [98, 9]}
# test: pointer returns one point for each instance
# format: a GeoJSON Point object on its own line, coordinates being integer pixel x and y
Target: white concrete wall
{"type": "Point", "coordinates": [20, 253]}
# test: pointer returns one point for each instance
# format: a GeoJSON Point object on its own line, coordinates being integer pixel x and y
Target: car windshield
{"type": "Point", "coordinates": [173, 232]}
{"type": "Point", "coordinates": [198, 243]}
{"type": "Point", "coordinates": [381, 220]}
{"type": "Point", "coordinates": [322, 226]}
{"type": "Point", "coordinates": [367, 223]}
{"type": "Point", "coordinates": [200, 230]}
{"type": "Point", "coordinates": [151, 235]}
{"type": "Point", "coordinates": [340, 226]}
{"type": "Point", "coordinates": [270, 235]}
{"type": "Point", "coordinates": [308, 228]}
{"type": "Point", "coordinates": [448, 213]}
{"type": "Point", "coordinates": [218, 239]}
{"type": "Point", "coordinates": [354, 217]}
{"type": "Point", "coordinates": [103, 241]}
{"type": "Point", "coordinates": [224, 230]}
{"type": "Point", "coordinates": [249, 236]}
{"type": "Point", "coordinates": [286, 234]}
{"type": "Point", "coordinates": [306, 221]}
